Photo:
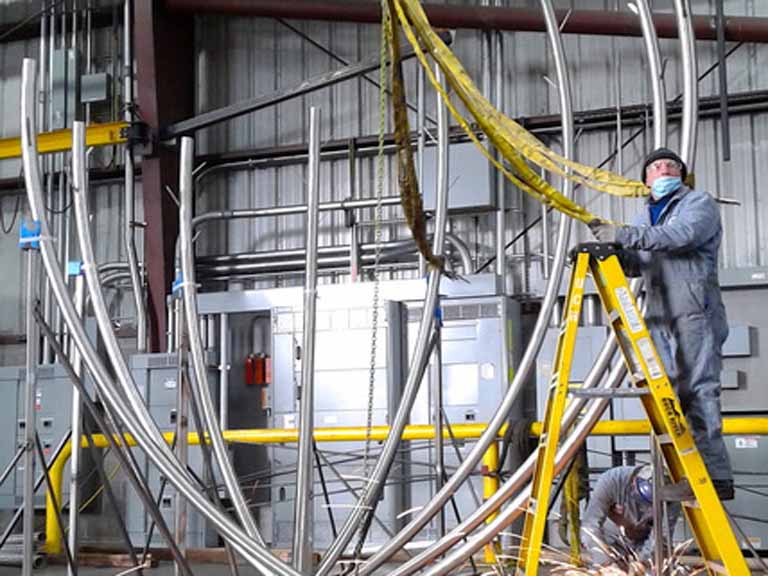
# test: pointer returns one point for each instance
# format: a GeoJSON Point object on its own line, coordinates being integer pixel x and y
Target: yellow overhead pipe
{"type": "Point", "coordinates": [61, 140]}
{"type": "Point", "coordinates": [54, 538]}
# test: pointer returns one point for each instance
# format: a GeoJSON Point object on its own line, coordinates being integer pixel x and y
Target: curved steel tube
{"type": "Point", "coordinates": [689, 130]}
{"type": "Point", "coordinates": [94, 284]}
{"type": "Point", "coordinates": [369, 497]}
{"type": "Point", "coordinates": [524, 472]}
{"type": "Point", "coordinates": [527, 362]}
{"type": "Point", "coordinates": [651, 42]}
{"type": "Point", "coordinates": [199, 372]}
{"type": "Point", "coordinates": [516, 507]}
{"type": "Point", "coordinates": [253, 553]}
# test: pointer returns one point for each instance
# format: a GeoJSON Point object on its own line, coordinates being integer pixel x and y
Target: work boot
{"type": "Point", "coordinates": [678, 492]}
{"type": "Point", "coordinates": [724, 489]}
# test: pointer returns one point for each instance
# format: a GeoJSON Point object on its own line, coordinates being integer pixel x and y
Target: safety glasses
{"type": "Point", "coordinates": [664, 163]}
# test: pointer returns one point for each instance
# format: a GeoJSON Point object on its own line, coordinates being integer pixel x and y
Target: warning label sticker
{"type": "Point", "coordinates": [646, 350]}
{"type": "Point", "coordinates": [630, 310]}
{"type": "Point", "coordinates": [747, 442]}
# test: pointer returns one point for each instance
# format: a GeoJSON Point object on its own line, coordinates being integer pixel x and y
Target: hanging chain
{"type": "Point", "coordinates": [377, 234]}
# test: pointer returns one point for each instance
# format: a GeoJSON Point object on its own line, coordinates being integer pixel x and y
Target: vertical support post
{"type": "Point", "coordinates": [443, 168]}
{"type": "Point", "coordinates": [437, 418]}
{"type": "Point", "coordinates": [421, 138]}
{"type": "Point", "coordinates": [302, 534]}
{"type": "Point", "coordinates": [165, 73]}
{"type": "Point", "coordinates": [722, 71]}
{"type": "Point", "coordinates": [501, 183]}
{"type": "Point", "coordinates": [658, 504]}
{"type": "Point", "coordinates": [182, 447]}
{"type": "Point", "coordinates": [350, 216]}
{"type": "Point", "coordinates": [30, 388]}
{"type": "Point", "coordinates": [490, 486]}
{"type": "Point", "coordinates": [129, 226]}
{"type": "Point", "coordinates": [224, 366]}
{"type": "Point", "coordinates": [77, 424]}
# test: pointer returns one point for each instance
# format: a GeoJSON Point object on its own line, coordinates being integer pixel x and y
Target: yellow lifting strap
{"type": "Point", "coordinates": [706, 516]}
{"type": "Point", "coordinates": [516, 145]}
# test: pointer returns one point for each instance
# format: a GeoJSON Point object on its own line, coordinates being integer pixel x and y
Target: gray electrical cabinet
{"type": "Point", "coordinates": [342, 370]}
{"type": "Point", "coordinates": [745, 353]}
{"type": "Point", "coordinates": [749, 458]}
{"type": "Point", "coordinates": [156, 376]}
{"type": "Point", "coordinates": [475, 378]}
{"type": "Point", "coordinates": [53, 406]}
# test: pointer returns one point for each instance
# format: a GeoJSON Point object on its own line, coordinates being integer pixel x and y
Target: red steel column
{"type": "Point", "coordinates": [164, 52]}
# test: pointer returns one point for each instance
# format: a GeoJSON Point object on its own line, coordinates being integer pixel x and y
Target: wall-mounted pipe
{"type": "Point", "coordinates": [597, 22]}
{"type": "Point", "coordinates": [129, 224]}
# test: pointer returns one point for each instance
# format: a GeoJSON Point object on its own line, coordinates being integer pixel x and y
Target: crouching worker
{"type": "Point", "coordinates": [619, 516]}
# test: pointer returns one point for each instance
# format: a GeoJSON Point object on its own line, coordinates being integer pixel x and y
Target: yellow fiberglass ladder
{"type": "Point", "coordinates": [706, 516]}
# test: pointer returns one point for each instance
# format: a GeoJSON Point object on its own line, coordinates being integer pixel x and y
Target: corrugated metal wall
{"type": "Point", "coordinates": [238, 58]}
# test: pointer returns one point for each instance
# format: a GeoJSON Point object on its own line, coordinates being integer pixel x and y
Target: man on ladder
{"type": "Point", "coordinates": [674, 243]}
{"type": "Point", "coordinates": [689, 232]}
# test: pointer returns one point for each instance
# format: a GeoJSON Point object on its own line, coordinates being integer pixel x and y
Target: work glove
{"type": "Point", "coordinates": [603, 231]}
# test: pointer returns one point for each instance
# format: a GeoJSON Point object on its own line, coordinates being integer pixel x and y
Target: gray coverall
{"type": "Point", "coordinates": [615, 487]}
{"type": "Point", "coordinates": [678, 258]}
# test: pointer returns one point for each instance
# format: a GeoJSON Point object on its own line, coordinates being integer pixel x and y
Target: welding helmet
{"type": "Point", "coordinates": [643, 481]}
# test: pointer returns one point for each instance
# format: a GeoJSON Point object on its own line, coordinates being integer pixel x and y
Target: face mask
{"type": "Point", "coordinates": [665, 185]}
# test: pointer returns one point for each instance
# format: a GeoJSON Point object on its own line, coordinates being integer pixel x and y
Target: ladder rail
{"type": "Point", "coordinates": [706, 516]}
{"type": "Point", "coordinates": [543, 471]}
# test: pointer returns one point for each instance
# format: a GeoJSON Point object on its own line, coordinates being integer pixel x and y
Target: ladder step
{"type": "Point", "coordinates": [609, 392]}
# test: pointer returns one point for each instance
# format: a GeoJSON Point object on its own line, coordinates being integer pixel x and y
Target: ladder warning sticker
{"type": "Point", "coordinates": [629, 308]}
{"type": "Point", "coordinates": [747, 442]}
{"type": "Point", "coordinates": [646, 350]}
